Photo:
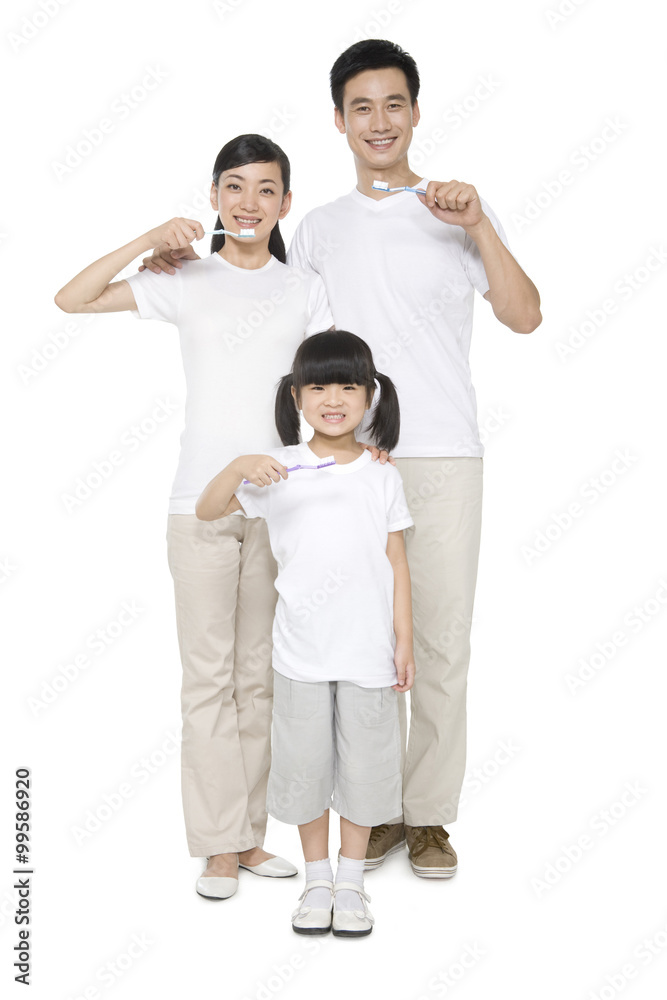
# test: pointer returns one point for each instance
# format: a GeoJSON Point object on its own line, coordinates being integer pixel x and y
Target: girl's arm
{"type": "Point", "coordinates": [93, 290]}
{"type": "Point", "coordinates": [218, 498]}
{"type": "Point", "coordinates": [404, 657]}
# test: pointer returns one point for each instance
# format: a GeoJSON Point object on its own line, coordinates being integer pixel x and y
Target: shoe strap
{"type": "Point", "coordinates": [317, 883]}
{"type": "Point", "coordinates": [354, 886]}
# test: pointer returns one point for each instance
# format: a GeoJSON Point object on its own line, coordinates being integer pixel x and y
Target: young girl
{"type": "Point", "coordinates": [240, 314]}
{"type": "Point", "coordinates": [342, 635]}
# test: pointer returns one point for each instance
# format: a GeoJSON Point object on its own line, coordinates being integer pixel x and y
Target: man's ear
{"type": "Point", "coordinates": [286, 205]}
{"type": "Point", "coordinates": [339, 121]}
{"type": "Point", "coordinates": [214, 196]}
{"type": "Point", "coordinates": [416, 114]}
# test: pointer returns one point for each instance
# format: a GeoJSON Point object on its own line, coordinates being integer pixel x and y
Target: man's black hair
{"type": "Point", "coordinates": [372, 53]}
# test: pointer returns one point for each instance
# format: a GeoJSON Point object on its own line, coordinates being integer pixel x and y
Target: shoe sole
{"type": "Point", "coordinates": [311, 930]}
{"type": "Point", "coordinates": [433, 872]}
{"type": "Point", "coordinates": [204, 896]}
{"type": "Point", "coordinates": [351, 933]}
{"type": "Point", "coordinates": [370, 863]}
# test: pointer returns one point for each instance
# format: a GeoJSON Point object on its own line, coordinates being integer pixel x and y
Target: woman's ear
{"type": "Point", "coordinates": [286, 205]}
{"type": "Point", "coordinates": [214, 195]}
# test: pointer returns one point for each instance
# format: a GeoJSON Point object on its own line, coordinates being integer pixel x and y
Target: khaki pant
{"type": "Point", "coordinates": [224, 573]}
{"type": "Point", "coordinates": [445, 500]}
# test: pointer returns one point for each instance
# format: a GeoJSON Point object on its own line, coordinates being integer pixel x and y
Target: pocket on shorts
{"type": "Point", "coordinates": [294, 699]}
{"type": "Point", "coordinates": [375, 706]}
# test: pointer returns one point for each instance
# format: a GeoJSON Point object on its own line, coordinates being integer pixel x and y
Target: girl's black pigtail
{"type": "Point", "coordinates": [287, 415]}
{"type": "Point", "coordinates": [386, 423]}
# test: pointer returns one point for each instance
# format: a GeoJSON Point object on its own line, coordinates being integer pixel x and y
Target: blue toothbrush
{"type": "Point", "coordinates": [245, 233]}
{"type": "Point", "coordinates": [384, 186]}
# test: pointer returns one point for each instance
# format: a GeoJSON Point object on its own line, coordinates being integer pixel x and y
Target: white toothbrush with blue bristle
{"type": "Point", "coordinates": [384, 186]}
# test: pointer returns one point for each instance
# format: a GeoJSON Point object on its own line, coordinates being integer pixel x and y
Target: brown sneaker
{"type": "Point", "coordinates": [384, 840]}
{"type": "Point", "coordinates": [431, 855]}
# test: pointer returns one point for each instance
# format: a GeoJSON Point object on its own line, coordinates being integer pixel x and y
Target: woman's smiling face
{"type": "Point", "coordinates": [251, 197]}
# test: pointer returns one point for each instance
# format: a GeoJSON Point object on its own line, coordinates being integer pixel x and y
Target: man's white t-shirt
{"type": "Point", "coordinates": [239, 330]}
{"type": "Point", "coordinates": [328, 530]}
{"type": "Point", "coordinates": [405, 282]}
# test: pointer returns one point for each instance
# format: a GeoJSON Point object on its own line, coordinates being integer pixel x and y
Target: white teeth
{"type": "Point", "coordinates": [381, 142]}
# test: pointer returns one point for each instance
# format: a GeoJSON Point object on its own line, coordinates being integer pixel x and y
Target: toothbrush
{"type": "Point", "coordinates": [384, 186]}
{"type": "Point", "coordinates": [295, 468]}
{"type": "Point", "coordinates": [216, 232]}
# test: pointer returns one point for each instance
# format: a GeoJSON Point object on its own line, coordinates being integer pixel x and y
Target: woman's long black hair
{"type": "Point", "coordinates": [337, 356]}
{"type": "Point", "coordinates": [237, 152]}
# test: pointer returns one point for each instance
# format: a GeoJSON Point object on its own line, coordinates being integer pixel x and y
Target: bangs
{"type": "Point", "coordinates": [335, 356]}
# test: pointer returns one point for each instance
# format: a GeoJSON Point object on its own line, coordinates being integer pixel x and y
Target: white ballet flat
{"type": "Point", "coordinates": [352, 923]}
{"type": "Point", "coordinates": [214, 887]}
{"type": "Point", "coordinates": [307, 919]}
{"type": "Point", "coordinates": [273, 867]}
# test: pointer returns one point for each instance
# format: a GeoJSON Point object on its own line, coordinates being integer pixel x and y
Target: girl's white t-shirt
{"type": "Point", "coordinates": [239, 330]}
{"type": "Point", "coordinates": [405, 282]}
{"type": "Point", "coordinates": [328, 530]}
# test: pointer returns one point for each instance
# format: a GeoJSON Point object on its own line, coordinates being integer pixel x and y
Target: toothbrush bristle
{"type": "Point", "coordinates": [381, 185]}
{"type": "Point", "coordinates": [247, 232]}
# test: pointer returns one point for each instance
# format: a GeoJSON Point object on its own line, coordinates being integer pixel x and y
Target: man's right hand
{"type": "Point", "coordinates": [165, 259]}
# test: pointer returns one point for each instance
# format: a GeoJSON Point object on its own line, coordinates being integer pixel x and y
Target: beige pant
{"type": "Point", "coordinates": [445, 500]}
{"type": "Point", "coordinates": [225, 601]}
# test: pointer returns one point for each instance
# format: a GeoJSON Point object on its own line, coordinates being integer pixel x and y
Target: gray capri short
{"type": "Point", "coordinates": [334, 743]}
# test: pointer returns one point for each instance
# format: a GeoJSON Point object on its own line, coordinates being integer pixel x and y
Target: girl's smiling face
{"type": "Point", "coordinates": [333, 410]}
{"type": "Point", "coordinates": [251, 197]}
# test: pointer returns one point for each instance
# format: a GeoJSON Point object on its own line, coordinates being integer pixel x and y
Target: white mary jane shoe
{"type": "Point", "coordinates": [306, 919]}
{"type": "Point", "coordinates": [273, 867]}
{"type": "Point", "coordinates": [216, 887]}
{"type": "Point", "coordinates": [352, 923]}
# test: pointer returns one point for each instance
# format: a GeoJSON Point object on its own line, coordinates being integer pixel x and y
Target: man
{"type": "Point", "coordinates": [400, 270]}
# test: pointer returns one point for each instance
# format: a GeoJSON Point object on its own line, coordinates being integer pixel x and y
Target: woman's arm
{"type": "Point", "coordinates": [94, 291]}
{"type": "Point", "coordinates": [218, 498]}
{"type": "Point", "coordinates": [404, 657]}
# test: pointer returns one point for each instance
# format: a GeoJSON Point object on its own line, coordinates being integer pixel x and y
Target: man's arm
{"type": "Point", "coordinates": [513, 296]}
{"type": "Point", "coordinates": [404, 657]}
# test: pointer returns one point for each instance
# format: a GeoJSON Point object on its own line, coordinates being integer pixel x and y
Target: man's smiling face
{"type": "Point", "coordinates": [377, 117]}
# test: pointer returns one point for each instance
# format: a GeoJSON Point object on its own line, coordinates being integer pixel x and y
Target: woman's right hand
{"type": "Point", "coordinates": [261, 470]}
{"type": "Point", "coordinates": [164, 259]}
{"type": "Point", "coordinates": [172, 240]}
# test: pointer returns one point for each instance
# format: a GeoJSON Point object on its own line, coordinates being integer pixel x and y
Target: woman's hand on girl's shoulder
{"type": "Point", "coordinates": [260, 470]}
{"type": "Point", "coordinates": [172, 240]}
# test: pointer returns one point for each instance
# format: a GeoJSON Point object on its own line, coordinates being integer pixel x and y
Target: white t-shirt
{"type": "Point", "coordinates": [405, 283]}
{"type": "Point", "coordinates": [328, 530]}
{"type": "Point", "coordinates": [239, 331]}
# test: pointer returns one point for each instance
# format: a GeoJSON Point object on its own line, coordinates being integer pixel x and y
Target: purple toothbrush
{"type": "Point", "coordinates": [295, 468]}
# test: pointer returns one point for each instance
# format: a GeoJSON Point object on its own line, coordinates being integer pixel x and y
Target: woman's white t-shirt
{"type": "Point", "coordinates": [328, 530]}
{"type": "Point", "coordinates": [239, 330]}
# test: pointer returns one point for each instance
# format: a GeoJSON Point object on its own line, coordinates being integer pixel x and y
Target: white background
{"type": "Point", "coordinates": [255, 65]}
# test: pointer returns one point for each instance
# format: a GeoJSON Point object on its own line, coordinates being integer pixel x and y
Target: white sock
{"type": "Point", "coordinates": [319, 898]}
{"type": "Point", "coordinates": [349, 870]}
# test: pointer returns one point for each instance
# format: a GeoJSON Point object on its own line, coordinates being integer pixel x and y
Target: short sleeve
{"type": "Point", "coordinates": [298, 254]}
{"type": "Point", "coordinates": [319, 313]}
{"type": "Point", "coordinates": [398, 513]}
{"type": "Point", "coordinates": [253, 499]}
{"type": "Point", "coordinates": [472, 259]}
{"type": "Point", "coordinates": [158, 296]}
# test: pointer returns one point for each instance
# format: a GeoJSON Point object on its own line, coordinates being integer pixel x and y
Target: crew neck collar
{"type": "Point", "coordinates": [246, 270]}
{"type": "Point", "coordinates": [380, 204]}
{"type": "Point", "coordinates": [339, 470]}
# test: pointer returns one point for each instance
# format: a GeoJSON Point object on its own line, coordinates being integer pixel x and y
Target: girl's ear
{"type": "Point", "coordinates": [294, 397]}
{"type": "Point", "coordinates": [214, 195]}
{"type": "Point", "coordinates": [286, 205]}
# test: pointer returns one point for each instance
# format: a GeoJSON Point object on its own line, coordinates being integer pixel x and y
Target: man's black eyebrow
{"type": "Point", "coordinates": [369, 100]}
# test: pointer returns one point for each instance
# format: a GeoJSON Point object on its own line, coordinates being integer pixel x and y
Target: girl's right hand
{"type": "Point", "coordinates": [261, 470]}
{"type": "Point", "coordinates": [176, 233]}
